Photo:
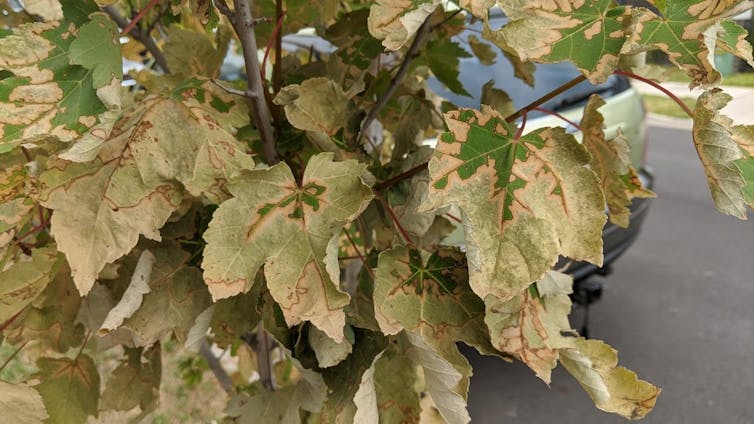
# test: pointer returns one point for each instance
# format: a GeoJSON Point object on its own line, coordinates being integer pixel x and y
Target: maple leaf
{"type": "Point", "coordinates": [292, 229]}
{"type": "Point", "coordinates": [719, 153]}
{"type": "Point", "coordinates": [138, 177]}
{"type": "Point", "coordinates": [525, 200]}
{"type": "Point", "coordinates": [396, 21]}
{"type": "Point", "coordinates": [611, 162]}
{"type": "Point", "coordinates": [69, 388]}
{"type": "Point", "coordinates": [589, 33]}
{"type": "Point", "coordinates": [48, 94]}
{"type": "Point", "coordinates": [25, 280]}
{"type": "Point", "coordinates": [686, 32]}
{"type": "Point", "coordinates": [134, 383]}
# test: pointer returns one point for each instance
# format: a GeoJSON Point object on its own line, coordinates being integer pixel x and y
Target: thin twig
{"type": "Point", "coordinates": [7, 324]}
{"type": "Point", "coordinates": [400, 177]}
{"type": "Point", "coordinates": [13, 355]}
{"type": "Point", "coordinates": [243, 22]}
{"type": "Point", "coordinates": [552, 94]}
{"type": "Point", "coordinates": [217, 369]}
{"type": "Point", "coordinates": [659, 87]}
{"type": "Point", "coordinates": [446, 20]}
{"type": "Point", "coordinates": [421, 33]}
{"type": "Point", "coordinates": [139, 17]}
{"type": "Point", "coordinates": [140, 36]}
{"type": "Point", "coordinates": [454, 218]}
{"type": "Point", "coordinates": [264, 362]}
{"type": "Point", "coordinates": [557, 115]}
{"type": "Point", "coordinates": [361, 256]}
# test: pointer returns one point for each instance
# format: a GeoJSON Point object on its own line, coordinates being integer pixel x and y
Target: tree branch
{"type": "Point", "coordinates": [243, 22]}
{"type": "Point", "coordinates": [140, 36]}
{"type": "Point", "coordinates": [421, 33]}
{"type": "Point", "coordinates": [552, 94]}
{"type": "Point", "coordinates": [217, 369]}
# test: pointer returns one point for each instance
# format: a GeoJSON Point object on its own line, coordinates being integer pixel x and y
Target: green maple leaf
{"type": "Point", "coordinates": [395, 22]}
{"type": "Point", "coordinates": [351, 34]}
{"type": "Point", "coordinates": [134, 383]}
{"type": "Point", "coordinates": [611, 162]}
{"type": "Point", "coordinates": [158, 153]}
{"type": "Point", "coordinates": [442, 56]}
{"type": "Point", "coordinates": [525, 200]}
{"type": "Point", "coordinates": [97, 48]}
{"type": "Point", "coordinates": [69, 388]}
{"type": "Point", "coordinates": [682, 33]}
{"type": "Point", "coordinates": [47, 94]}
{"type": "Point", "coordinates": [21, 404]}
{"type": "Point", "coordinates": [719, 153]}
{"type": "Point", "coordinates": [292, 229]}
{"type": "Point", "coordinates": [589, 33]}
{"type": "Point", "coordinates": [24, 281]}
{"type": "Point", "coordinates": [733, 39]}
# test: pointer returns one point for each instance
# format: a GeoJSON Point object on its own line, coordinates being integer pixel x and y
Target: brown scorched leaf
{"type": "Point", "coordinates": [26, 279]}
{"type": "Point", "coordinates": [611, 162]}
{"type": "Point", "coordinates": [396, 21]}
{"type": "Point", "coordinates": [162, 149]}
{"type": "Point", "coordinates": [293, 231]}
{"type": "Point", "coordinates": [525, 200]}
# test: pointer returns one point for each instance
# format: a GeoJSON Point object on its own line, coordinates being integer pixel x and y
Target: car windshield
{"type": "Point", "coordinates": [547, 77]}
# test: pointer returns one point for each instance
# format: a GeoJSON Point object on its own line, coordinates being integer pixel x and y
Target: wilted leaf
{"type": "Point", "coordinates": [21, 404]}
{"type": "Point", "coordinates": [523, 70]}
{"type": "Point", "coordinates": [396, 21]}
{"type": "Point", "coordinates": [589, 33]}
{"type": "Point", "coordinates": [134, 294]}
{"type": "Point", "coordinates": [329, 353]}
{"type": "Point", "coordinates": [482, 51]}
{"type": "Point", "coordinates": [137, 180]}
{"type": "Point", "coordinates": [525, 200]}
{"type": "Point", "coordinates": [719, 152]}
{"type": "Point", "coordinates": [496, 99]}
{"type": "Point", "coordinates": [529, 326]}
{"type": "Point", "coordinates": [25, 280]}
{"type": "Point", "coordinates": [69, 388]}
{"type": "Point", "coordinates": [291, 229]}
{"type": "Point", "coordinates": [177, 295]}
{"type": "Point", "coordinates": [611, 162]}
{"type": "Point", "coordinates": [397, 398]}
{"type": "Point", "coordinates": [612, 388]}
{"type": "Point", "coordinates": [227, 324]}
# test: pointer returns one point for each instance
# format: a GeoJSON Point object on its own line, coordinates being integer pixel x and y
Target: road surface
{"type": "Point", "coordinates": [679, 308]}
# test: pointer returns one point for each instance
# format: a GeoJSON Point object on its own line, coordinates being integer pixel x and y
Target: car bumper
{"type": "Point", "coordinates": [616, 240]}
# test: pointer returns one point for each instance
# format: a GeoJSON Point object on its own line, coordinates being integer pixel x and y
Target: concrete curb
{"type": "Point", "coordinates": [656, 120]}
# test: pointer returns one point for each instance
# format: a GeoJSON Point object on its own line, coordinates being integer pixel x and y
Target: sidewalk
{"type": "Point", "coordinates": [740, 109]}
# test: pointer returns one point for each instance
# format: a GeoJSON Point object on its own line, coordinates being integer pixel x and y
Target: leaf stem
{"type": "Point", "coordinates": [396, 221]}
{"type": "Point", "coordinates": [139, 17]}
{"type": "Point", "coordinates": [421, 33]}
{"type": "Point", "coordinates": [264, 362]}
{"type": "Point", "coordinates": [243, 22]}
{"type": "Point", "coordinates": [667, 92]}
{"type": "Point", "coordinates": [358, 252]}
{"type": "Point", "coordinates": [520, 131]}
{"type": "Point", "coordinates": [140, 36]}
{"type": "Point", "coordinates": [7, 324]}
{"type": "Point", "coordinates": [557, 115]}
{"type": "Point", "coordinates": [400, 177]}
{"type": "Point", "coordinates": [552, 94]}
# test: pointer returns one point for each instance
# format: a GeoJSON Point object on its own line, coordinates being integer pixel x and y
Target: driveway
{"type": "Point", "coordinates": [679, 308]}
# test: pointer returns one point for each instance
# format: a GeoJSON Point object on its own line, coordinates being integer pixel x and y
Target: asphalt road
{"type": "Point", "coordinates": [679, 308]}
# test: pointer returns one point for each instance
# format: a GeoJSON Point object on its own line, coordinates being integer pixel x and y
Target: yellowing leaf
{"type": "Point", "coordinates": [134, 383]}
{"type": "Point", "coordinates": [719, 152]}
{"type": "Point", "coordinates": [137, 179]}
{"type": "Point", "coordinates": [191, 53]}
{"type": "Point", "coordinates": [21, 404]}
{"type": "Point", "coordinates": [69, 388]}
{"type": "Point", "coordinates": [589, 33]}
{"type": "Point", "coordinates": [428, 294]}
{"type": "Point", "coordinates": [529, 326]}
{"type": "Point", "coordinates": [524, 200]}
{"type": "Point", "coordinates": [49, 10]}
{"type": "Point", "coordinates": [611, 162]}
{"type": "Point", "coordinates": [292, 229]}
{"type": "Point", "coordinates": [318, 104]}
{"type": "Point", "coordinates": [612, 388]}
{"type": "Point", "coordinates": [25, 280]}
{"type": "Point", "coordinates": [329, 353]}
{"type": "Point", "coordinates": [396, 21]}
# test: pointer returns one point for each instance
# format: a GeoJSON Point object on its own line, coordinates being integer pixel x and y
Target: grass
{"type": "Point", "coordinates": [739, 79]}
{"type": "Point", "coordinates": [665, 106]}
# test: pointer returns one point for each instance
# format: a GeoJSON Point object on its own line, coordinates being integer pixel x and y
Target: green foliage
{"type": "Point", "coordinates": [140, 214]}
